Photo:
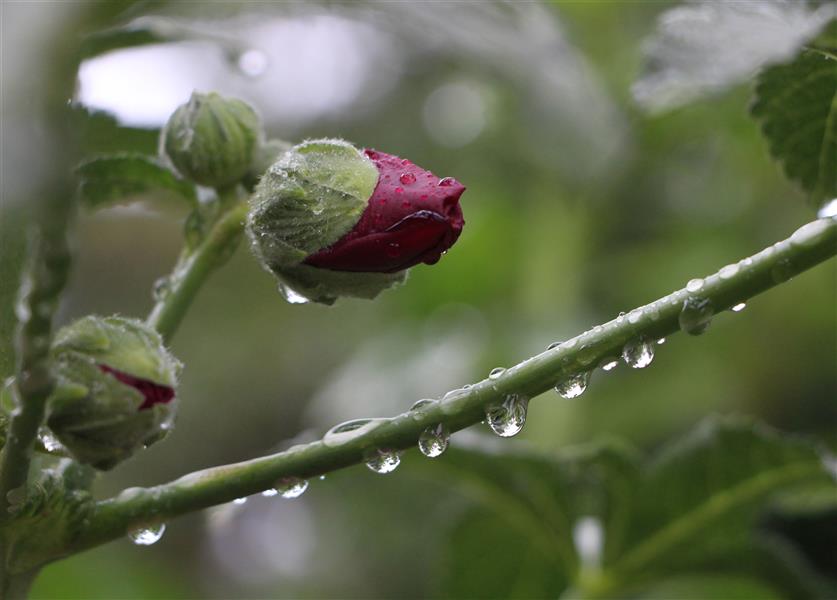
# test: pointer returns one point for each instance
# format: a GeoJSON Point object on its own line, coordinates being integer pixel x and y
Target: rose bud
{"type": "Point", "coordinates": [330, 220]}
{"type": "Point", "coordinates": [212, 140]}
{"type": "Point", "coordinates": [115, 389]}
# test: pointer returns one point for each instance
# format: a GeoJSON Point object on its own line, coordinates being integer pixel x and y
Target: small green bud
{"type": "Point", "coordinates": [308, 200]}
{"type": "Point", "coordinates": [115, 389]}
{"type": "Point", "coordinates": [212, 140]}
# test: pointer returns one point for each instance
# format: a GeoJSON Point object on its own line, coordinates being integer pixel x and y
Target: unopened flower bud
{"type": "Point", "coordinates": [115, 391]}
{"type": "Point", "coordinates": [212, 140]}
{"type": "Point", "coordinates": [330, 220]}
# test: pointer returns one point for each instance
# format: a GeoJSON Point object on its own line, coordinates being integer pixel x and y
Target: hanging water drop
{"type": "Point", "coordinates": [739, 307]}
{"type": "Point", "coordinates": [291, 487]}
{"type": "Point", "coordinates": [291, 295]}
{"type": "Point", "coordinates": [383, 461]}
{"type": "Point", "coordinates": [694, 285]}
{"type": "Point", "coordinates": [609, 366]}
{"type": "Point", "coordinates": [638, 353]}
{"type": "Point", "coordinates": [573, 386]}
{"type": "Point", "coordinates": [161, 289]}
{"type": "Point", "coordinates": [49, 441]}
{"type": "Point", "coordinates": [496, 372]}
{"type": "Point", "coordinates": [508, 417]}
{"type": "Point", "coordinates": [433, 441]}
{"type": "Point", "coordinates": [695, 315]}
{"type": "Point", "coordinates": [661, 341]}
{"type": "Point", "coordinates": [147, 535]}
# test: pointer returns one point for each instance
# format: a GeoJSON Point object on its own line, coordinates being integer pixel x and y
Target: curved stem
{"type": "Point", "coordinates": [807, 247]}
{"type": "Point", "coordinates": [193, 267]}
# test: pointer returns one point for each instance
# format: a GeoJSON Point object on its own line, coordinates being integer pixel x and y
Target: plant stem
{"type": "Point", "coordinates": [807, 247]}
{"type": "Point", "coordinates": [195, 266]}
{"type": "Point", "coordinates": [43, 281]}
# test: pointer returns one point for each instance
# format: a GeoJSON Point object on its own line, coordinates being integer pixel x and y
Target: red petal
{"type": "Point", "coordinates": [154, 393]}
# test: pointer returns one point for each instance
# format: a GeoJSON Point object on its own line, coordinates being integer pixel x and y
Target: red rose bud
{"type": "Point", "coordinates": [115, 389]}
{"type": "Point", "coordinates": [330, 220]}
{"type": "Point", "coordinates": [412, 217]}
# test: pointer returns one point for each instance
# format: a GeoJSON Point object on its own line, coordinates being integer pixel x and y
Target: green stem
{"type": "Point", "coordinates": [809, 246]}
{"type": "Point", "coordinates": [194, 267]}
{"type": "Point", "coordinates": [42, 284]}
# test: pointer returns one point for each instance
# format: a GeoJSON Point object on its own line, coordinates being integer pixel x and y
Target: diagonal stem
{"type": "Point", "coordinates": [810, 245]}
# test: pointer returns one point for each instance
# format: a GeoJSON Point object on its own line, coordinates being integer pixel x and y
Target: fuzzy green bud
{"type": "Point", "coordinates": [212, 140]}
{"type": "Point", "coordinates": [115, 391]}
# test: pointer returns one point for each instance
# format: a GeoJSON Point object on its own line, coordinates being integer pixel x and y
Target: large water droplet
{"type": "Point", "coordinates": [508, 417]}
{"type": "Point", "coordinates": [407, 178]}
{"type": "Point", "coordinates": [694, 285]}
{"type": "Point", "coordinates": [728, 272]}
{"type": "Point", "coordinates": [383, 461]}
{"type": "Point", "coordinates": [739, 307]}
{"type": "Point", "coordinates": [49, 441]}
{"type": "Point", "coordinates": [810, 233]}
{"type": "Point", "coordinates": [638, 353]}
{"type": "Point", "coordinates": [829, 209]}
{"type": "Point", "coordinates": [433, 441]}
{"type": "Point", "coordinates": [573, 386]}
{"type": "Point", "coordinates": [291, 295]}
{"type": "Point", "coordinates": [291, 487]}
{"type": "Point", "coordinates": [161, 289]}
{"type": "Point", "coordinates": [496, 372]}
{"type": "Point", "coordinates": [634, 316]}
{"type": "Point", "coordinates": [424, 402]}
{"type": "Point", "coordinates": [147, 535]}
{"type": "Point", "coordinates": [350, 430]}
{"type": "Point", "coordinates": [695, 315]}
{"type": "Point", "coordinates": [446, 182]}
{"type": "Point", "coordinates": [270, 493]}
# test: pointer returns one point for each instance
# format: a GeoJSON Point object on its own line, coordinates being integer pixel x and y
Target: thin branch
{"type": "Point", "coordinates": [194, 267]}
{"type": "Point", "coordinates": [43, 281]}
{"type": "Point", "coordinates": [807, 247]}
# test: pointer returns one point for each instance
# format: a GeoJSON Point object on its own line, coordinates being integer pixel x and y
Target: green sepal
{"type": "Point", "coordinates": [212, 140]}
{"type": "Point", "coordinates": [325, 286]}
{"type": "Point", "coordinates": [266, 155]}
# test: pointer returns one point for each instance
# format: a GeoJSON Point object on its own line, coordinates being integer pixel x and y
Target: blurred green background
{"type": "Point", "coordinates": [578, 207]}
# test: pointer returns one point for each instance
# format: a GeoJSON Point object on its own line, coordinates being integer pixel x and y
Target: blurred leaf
{"type": "Point", "coordinates": [710, 587]}
{"type": "Point", "coordinates": [148, 30]}
{"type": "Point", "coordinates": [797, 106]}
{"type": "Point", "coordinates": [704, 47]}
{"type": "Point", "coordinates": [118, 178]}
{"type": "Point", "coordinates": [13, 227]}
{"type": "Point", "coordinates": [702, 496]}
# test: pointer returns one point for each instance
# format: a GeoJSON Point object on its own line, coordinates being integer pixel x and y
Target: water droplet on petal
{"type": "Point", "coordinates": [573, 386]}
{"type": "Point", "coordinates": [161, 289]}
{"type": "Point", "coordinates": [508, 417]}
{"type": "Point", "coordinates": [433, 441]}
{"type": "Point", "coordinates": [739, 307]}
{"type": "Point", "coordinates": [695, 315]}
{"type": "Point", "coordinates": [447, 182]}
{"type": "Point", "coordinates": [609, 366]}
{"type": "Point", "coordinates": [496, 372]}
{"type": "Point", "coordinates": [147, 535]}
{"type": "Point", "coordinates": [291, 487]}
{"type": "Point", "coordinates": [638, 353]}
{"type": "Point", "coordinates": [383, 461]}
{"type": "Point", "coordinates": [399, 190]}
{"type": "Point", "coordinates": [240, 501]}
{"type": "Point", "coordinates": [291, 295]}
{"type": "Point", "coordinates": [694, 285]}
{"type": "Point", "coordinates": [407, 178]}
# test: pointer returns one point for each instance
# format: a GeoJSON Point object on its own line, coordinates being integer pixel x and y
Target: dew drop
{"type": "Point", "coordinates": [507, 417]}
{"type": "Point", "coordinates": [240, 501]}
{"type": "Point", "coordinates": [433, 441]}
{"type": "Point", "coordinates": [49, 441]}
{"type": "Point", "coordinates": [694, 285]}
{"type": "Point", "coordinates": [829, 209]}
{"type": "Point", "coordinates": [810, 233]}
{"type": "Point", "coordinates": [728, 272]}
{"type": "Point", "coordinates": [407, 178]}
{"type": "Point", "coordinates": [739, 307]}
{"type": "Point", "coordinates": [638, 353]}
{"type": "Point", "coordinates": [291, 487]}
{"type": "Point", "coordinates": [447, 182]}
{"type": "Point", "coordinates": [695, 315]}
{"type": "Point", "coordinates": [161, 289]}
{"type": "Point", "coordinates": [574, 386]}
{"type": "Point", "coordinates": [609, 366]}
{"type": "Point", "coordinates": [634, 316]}
{"type": "Point", "coordinates": [383, 461]}
{"type": "Point", "coordinates": [422, 403]}
{"type": "Point", "coordinates": [496, 372]}
{"type": "Point", "coordinates": [661, 341]}
{"type": "Point", "coordinates": [553, 345]}
{"type": "Point", "coordinates": [146, 536]}
{"type": "Point", "coordinates": [348, 431]}
{"type": "Point", "coordinates": [291, 295]}
{"type": "Point", "coordinates": [399, 190]}
{"type": "Point", "coordinates": [270, 493]}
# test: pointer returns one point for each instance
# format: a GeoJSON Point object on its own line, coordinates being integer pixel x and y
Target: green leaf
{"type": "Point", "coordinates": [123, 178]}
{"type": "Point", "coordinates": [703, 48]}
{"type": "Point", "coordinates": [154, 30]}
{"type": "Point", "coordinates": [797, 106]}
